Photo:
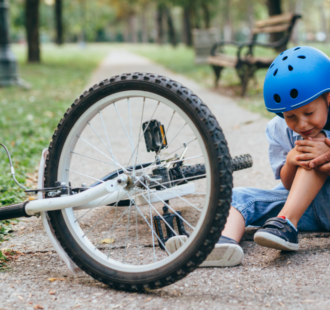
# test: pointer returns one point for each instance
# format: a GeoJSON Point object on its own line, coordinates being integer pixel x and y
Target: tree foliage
{"type": "Point", "coordinates": [136, 20]}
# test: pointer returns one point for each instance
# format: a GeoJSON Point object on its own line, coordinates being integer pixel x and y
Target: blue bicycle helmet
{"type": "Point", "coordinates": [295, 78]}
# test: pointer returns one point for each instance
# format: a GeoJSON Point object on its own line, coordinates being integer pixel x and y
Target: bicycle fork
{"type": "Point", "coordinates": [29, 208]}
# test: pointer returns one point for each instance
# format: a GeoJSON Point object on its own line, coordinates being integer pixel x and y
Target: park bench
{"type": "Point", "coordinates": [247, 63]}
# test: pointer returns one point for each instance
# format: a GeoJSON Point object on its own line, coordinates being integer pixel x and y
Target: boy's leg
{"type": "Point", "coordinates": [280, 232]}
{"type": "Point", "coordinates": [305, 187]}
{"type": "Point", "coordinates": [235, 225]}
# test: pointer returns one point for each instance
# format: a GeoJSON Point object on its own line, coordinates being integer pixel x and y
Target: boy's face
{"type": "Point", "coordinates": [309, 119]}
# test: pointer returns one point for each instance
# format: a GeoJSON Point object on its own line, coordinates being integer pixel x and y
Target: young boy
{"type": "Point", "coordinates": [296, 89]}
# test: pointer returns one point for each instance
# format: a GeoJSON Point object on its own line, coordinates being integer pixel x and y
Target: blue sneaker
{"type": "Point", "coordinates": [278, 233]}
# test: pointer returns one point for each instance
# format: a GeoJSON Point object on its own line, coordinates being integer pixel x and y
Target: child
{"type": "Point", "coordinates": [296, 89]}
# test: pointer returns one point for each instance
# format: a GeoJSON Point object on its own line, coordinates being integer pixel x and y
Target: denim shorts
{"type": "Point", "coordinates": [258, 205]}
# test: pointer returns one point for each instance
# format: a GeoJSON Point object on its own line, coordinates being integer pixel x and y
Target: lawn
{"type": "Point", "coordinates": [28, 118]}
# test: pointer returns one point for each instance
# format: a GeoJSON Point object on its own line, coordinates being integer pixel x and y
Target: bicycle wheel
{"type": "Point", "coordinates": [105, 132]}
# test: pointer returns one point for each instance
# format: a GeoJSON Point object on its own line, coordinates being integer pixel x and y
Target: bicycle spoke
{"type": "Point", "coordinates": [161, 242]}
{"type": "Point", "coordinates": [102, 153]}
{"type": "Point", "coordinates": [167, 224]}
{"type": "Point", "coordinates": [143, 132]}
{"type": "Point", "coordinates": [113, 226]}
{"type": "Point", "coordinates": [101, 161]}
{"type": "Point", "coordinates": [178, 196]}
{"type": "Point", "coordinates": [84, 175]}
{"type": "Point", "coordinates": [92, 208]}
{"type": "Point", "coordinates": [152, 230]}
{"type": "Point", "coordinates": [179, 148]}
{"type": "Point", "coordinates": [187, 178]}
{"type": "Point", "coordinates": [166, 204]}
{"type": "Point", "coordinates": [172, 162]}
{"type": "Point", "coordinates": [140, 127]}
{"type": "Point", "coordinates": [129, 140]}
{"type": "Point", "coordinates": [106, 134]}
{"type": "Point", "coordinates": [100, 218]}
{"type": "Point", "coordinates": [137, 233]}
{"type": "Point", "coordinates": [129, 216]}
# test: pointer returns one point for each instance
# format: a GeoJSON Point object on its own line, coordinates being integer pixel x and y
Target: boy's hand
{"type": "Point", "coordinates": [291, 158]}
{"type": "Point", "coordinates": [310, 149]}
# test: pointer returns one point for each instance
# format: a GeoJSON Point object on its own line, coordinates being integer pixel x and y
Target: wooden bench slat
{"type": "Point", "coordinates": [223, 61]}
{"type": "Point", "coordinates": [274, 20]}
{"type": "Point", "coordinates": [272, 29]}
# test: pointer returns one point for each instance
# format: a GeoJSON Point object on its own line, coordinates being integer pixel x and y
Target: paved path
{"type": "Point", "coordinates": [266, 279]}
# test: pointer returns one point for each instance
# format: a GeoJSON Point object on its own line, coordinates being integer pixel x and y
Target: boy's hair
{"type": "Point", "coordinates": [325, 97]}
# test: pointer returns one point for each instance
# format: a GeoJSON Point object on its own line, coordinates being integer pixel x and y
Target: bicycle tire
{"type": "Point", "coordinates": [221, 174]}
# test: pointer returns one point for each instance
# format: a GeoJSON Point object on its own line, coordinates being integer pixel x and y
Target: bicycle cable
{"type": "Point", "coordinates": [12, 168]}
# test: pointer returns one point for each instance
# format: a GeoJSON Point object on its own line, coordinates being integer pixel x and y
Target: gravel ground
{"type": "Point", "coordinates": [267, 278]}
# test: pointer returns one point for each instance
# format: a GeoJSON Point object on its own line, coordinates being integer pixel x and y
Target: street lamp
{"type": "Point", "coordinates": [8, 62]}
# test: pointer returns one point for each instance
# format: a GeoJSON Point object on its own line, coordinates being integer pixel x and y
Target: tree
{"type": "Point", "coordinates": [274, 8]}
{"type": "Point", "coordinates": [58, 22]}
{"type": "Point", "coordinates": [32, 29]}
{"type": "Point", "coordinates": [170, 26]}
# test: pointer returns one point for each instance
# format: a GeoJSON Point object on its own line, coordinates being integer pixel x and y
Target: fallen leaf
{"type": "Point", "coordinates": [20, 297]}
{"type": "Point", "coordinates": [308, 300]}
{"type": "Point", "coordinates": [55, 279]}
{"type": "Point", "coordinates": [36, 307]}
{"type": "Point", "coordinates": [288, 262]}
{"type": "Point", "coordinates": [116, 306]}
{"type": "Point", "coordinates": [108, 241]}
{"type": "Point", "coordinates": [282, 304]}
{"type": "Point", "coordinates": [147, 299]}
{"type": "Point", "coordinates": [52, 292]}
{"type": "Point", "coordinates": [76, 306]}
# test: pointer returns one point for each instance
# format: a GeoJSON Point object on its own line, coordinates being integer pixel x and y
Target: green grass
{"type": "Point", "coordinates": [28, 118]}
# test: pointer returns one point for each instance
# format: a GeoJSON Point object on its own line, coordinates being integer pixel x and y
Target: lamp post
{"type": "Point", "coordinates": [8, 62]}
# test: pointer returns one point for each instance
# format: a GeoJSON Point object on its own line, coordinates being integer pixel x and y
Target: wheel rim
{"type": "Point", "coordinates": [68, 170]}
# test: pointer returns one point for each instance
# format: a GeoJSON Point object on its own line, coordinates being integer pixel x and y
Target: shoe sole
{"type": "Point", "coordinates": [270, 241]}
{"type": "Point", "coordinates": [223, 255]}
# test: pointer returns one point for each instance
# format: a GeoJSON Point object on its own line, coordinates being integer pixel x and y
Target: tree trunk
{"type": "Point", "coordinates": [195, 17]}
{"type": "Point", "coordinates": [32, 29]}
{"type": "Point", "coordinates": [58, 22]}
{"type": "Point", "coordinates": [160, 28]}
{"type": "Point", "coordinates": [170, 26]}
{"type": "Point", "coordinates": [324, 27]}
{"type": "Point", "coordinates": [187, 35]}
{"type": "Point", "coordinates": [206, 12]}
{"type": "Point", "coordinates": [295, 7]}
{"type": "Point", "coordinates": [250, 12]}
{"type": "Point", "coordinates": [274, 8]}
{"type": "Point", "coordinates": [144, 26]}
{"type": "Point", "coordinates": [133, 28]}
{"type": "Point", "coordinates": [227, 32]}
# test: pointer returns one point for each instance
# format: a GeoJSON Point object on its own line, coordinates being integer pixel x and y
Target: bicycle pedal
{"type": "Point", "coordinates": [169, 218]}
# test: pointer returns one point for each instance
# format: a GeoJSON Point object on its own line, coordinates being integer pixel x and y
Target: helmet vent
{"type": "Point", "coordinates": [281, 53]}
{"type": "Point", "coordinates": [290, 68]}
{"type": "Point", "coordinates": [275, 72]}
{"type": "Point", "coordinates": [271, 66]}
{"type": "Point", "coordinates": [294, 93]}
{"type": "Point", "coordinates": [285, 57]}
{"type": "Point", "coordinates": [277, 98]}
{"type": "Point", "coordinates": [297, 48]}
{"type": "Point", "coordinates": [302, 57]}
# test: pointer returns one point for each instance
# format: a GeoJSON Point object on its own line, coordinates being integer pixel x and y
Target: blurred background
{"type": "Point", "coordinates": [55, 45]}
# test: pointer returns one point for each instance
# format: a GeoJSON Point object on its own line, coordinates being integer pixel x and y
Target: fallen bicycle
{"type": "Point", "coordinates": [136, 160]}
